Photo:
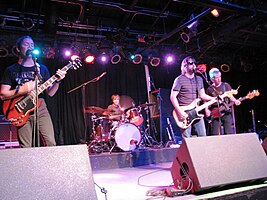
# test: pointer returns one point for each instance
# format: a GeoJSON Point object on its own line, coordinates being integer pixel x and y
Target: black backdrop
{"type": "Point", "coordinates": [129, 79]}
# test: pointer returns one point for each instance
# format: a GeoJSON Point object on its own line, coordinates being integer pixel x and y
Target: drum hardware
{"type": "Point", "coordinates": [146, 136]}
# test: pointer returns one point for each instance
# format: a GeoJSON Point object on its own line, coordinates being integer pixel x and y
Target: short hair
{"type": "Point", "coordinates": [19, 41]}
{"type": "Point", "coordinates": [115, 96]}
{"type": "Point", "coordinates": [214, 71]}
{"type": "Point", "coordinates": [184, 63]}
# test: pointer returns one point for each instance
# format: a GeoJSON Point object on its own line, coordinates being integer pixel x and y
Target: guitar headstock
{"type": "Point", "coordinates": [253, 94]}
{"type": "Point", "coordinates": [229, 93]}
{"type": "Point", "coordinates": [76, 63]}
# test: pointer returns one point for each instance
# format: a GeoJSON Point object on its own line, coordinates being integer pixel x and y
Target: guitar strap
{"type": "Point", "coordinates": [196, 86]}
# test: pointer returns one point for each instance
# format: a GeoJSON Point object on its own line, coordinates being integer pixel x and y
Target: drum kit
{"type": "Point", "coordinates": [108, 132]}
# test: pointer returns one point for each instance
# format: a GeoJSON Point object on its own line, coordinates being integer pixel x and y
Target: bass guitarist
{"type": "Point", "coordinates": [19, 80]}
{"type": "Point", "coordinates": [186, 89]}
{"type": "Point", "coordinates": [220, 112]}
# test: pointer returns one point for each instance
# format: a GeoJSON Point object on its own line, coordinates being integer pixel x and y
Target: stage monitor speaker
{"type": "Point", "coordinates": [209, 163]}
{"type": "Point", "coordinates": [61, 172]}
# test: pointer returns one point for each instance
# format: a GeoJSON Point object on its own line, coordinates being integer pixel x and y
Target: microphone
{"type": "Point", "coordinates": [29, 52]}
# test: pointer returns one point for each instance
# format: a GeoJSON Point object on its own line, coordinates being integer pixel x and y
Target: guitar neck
{"type": "Point", "coordinates": [199, 108]}
{"type": "Point", "coordinates": [49, 82]}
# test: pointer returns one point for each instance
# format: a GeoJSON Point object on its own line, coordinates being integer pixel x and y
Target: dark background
{"type": "Point", "coordinates": [236, 38]}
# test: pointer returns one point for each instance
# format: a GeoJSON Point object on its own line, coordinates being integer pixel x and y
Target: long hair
{"type": "Point", "coordinates": [185, 63]}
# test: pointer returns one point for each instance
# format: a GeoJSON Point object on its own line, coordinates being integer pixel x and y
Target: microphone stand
{"type": "Point", "coordinates": [218, 100]}
{"type": "Point", "coordinates": [36, 137]}
{"type": "Point", "coordinates": [83, 98]}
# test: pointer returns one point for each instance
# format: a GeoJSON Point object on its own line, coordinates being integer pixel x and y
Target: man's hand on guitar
{"type": "Point", "coordinates": [60, 74]}
{"type": "Point", "coordinates": [27, 87]}
{"type": "Point", "coordinates": [181, 115]}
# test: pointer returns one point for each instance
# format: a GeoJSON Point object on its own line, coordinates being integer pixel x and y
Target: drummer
{"type": "Point", "coordinates": [114, 111]}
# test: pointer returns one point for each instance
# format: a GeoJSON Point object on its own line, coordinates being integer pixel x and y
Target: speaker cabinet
{"type": "Point", "coordinates": [8, 132]}
{"type": "Point", "coordinates": [162, 113]}
{"type": "Point", "coordinates": [205, 163]}
{"type": "Point", "coordinates": [61, 172]}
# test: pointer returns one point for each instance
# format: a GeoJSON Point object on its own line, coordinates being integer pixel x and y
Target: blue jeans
{"type": "Point", "coordinates": [199, 126]}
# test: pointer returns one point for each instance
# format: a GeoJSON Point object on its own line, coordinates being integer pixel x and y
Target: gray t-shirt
{"type": "Point", "coordinates": [187, 88]}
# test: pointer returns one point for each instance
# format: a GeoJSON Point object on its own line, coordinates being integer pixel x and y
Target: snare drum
{"type": "Point", "coordinates": [135, 117]}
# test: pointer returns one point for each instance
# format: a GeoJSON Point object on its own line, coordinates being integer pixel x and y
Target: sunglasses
{"type": "Point", "coordinates": [191, 63]}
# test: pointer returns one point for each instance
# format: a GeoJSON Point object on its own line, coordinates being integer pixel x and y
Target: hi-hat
{"type": "Point", "coordinates": [93, 109]}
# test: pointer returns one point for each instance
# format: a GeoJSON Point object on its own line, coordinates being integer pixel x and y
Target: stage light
{"type": "Point", "coordinates": [137, 59]}
{"type": "Point", "coordinates": [67, 53]}
{"type": "Point", "coordinates": [154, 62]}
{"type": "Point", "coordinates": [36, 52]}
{"type": "Point", "coordinates": [169, 59]}
{"type": "Point", "coordinates": [115, 59]}
{"type": "Point", "coordinates": [104, 58]}
{"type": "Point", "coordinates": [3, 52]}
{"type": "Point", "coordinates": [28, 23]}
{"type": "Point", "coordinates": [215, 13]}
{"type": "Point", "coordinates": [89, 59]}
{"type": "Point", "coordinates": [185, 37]}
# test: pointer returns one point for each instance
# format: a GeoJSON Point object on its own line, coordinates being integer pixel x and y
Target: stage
{"type": "Point", "coordinates": [151, 182]}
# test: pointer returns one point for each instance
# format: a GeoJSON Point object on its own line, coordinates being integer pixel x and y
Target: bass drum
{"type": "Point", "coordinates": [127, 136]}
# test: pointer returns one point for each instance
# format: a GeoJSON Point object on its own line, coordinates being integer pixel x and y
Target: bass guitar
{"type": "Point", "coordinates": [193, 109]}
{"type": "Point", "coordinates": [17, 110]}
{"type": "Point", "coordinates": [215, 112]}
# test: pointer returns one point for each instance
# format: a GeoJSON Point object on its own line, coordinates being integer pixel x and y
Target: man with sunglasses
{"type": "Point", "coordinates": [187, 89]}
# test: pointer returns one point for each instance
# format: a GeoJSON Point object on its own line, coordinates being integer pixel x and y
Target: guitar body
{"type": "Point", "coordinates": [17, 111]}
{"type": "Point", "coordinates": [192, 115]}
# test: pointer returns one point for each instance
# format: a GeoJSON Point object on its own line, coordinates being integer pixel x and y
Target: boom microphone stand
{"type": "Point", "coordinates": [83, 97]}
{"type": "Point", "coordinates": [36, 137]}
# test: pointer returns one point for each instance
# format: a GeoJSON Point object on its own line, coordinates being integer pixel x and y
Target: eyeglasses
{"type": "Point", "coordinates": [191, 63]}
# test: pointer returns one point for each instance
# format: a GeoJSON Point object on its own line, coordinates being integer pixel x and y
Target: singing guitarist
{"type": "Point", "coordinates": [19, 80]}
{"type": "Point", "coordinates": [185, 90]}
{"type": "Point", "coordinates": [220, 117]}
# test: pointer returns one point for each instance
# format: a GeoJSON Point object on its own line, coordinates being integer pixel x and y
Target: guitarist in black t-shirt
{"type": "Point", "coordinates": [220, 112]}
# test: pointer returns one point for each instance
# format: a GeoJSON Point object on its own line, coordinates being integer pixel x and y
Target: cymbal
{"type": "Point", "coordinates": [93, 109]}
{"type": "Point", "coordinates": [146, 105]}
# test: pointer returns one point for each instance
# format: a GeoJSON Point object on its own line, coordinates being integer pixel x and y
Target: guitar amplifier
{"type": "Point", "coordinates": [8, 132]}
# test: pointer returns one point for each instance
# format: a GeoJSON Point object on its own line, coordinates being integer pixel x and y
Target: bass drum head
{"type": "Point", "coordinates": [127, 136]}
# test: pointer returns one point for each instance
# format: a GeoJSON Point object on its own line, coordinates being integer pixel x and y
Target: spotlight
{"type": "Point", "coordinates": [154, 62]}
{"type": "Point", "coordinates": [28, 23]}
{"type": "Point", "coordinates": [137, 59]}
{"type": "Point", "coordinates": [3, 52]}
{"type": "Point", "coordinates": [215, 13]}
{"type": "Point", "coordinates": [89, 59]}
{"type": "Point", "coordinates": [169, 59]}
{"type": "Point", "coordinates": [104, 58]}
{"type": "Point", "coordinates": [67, 53]}
{"type": "Point", "coordinates": [115, 59]}
{"type": "Point", "coordinates": [185, 37]}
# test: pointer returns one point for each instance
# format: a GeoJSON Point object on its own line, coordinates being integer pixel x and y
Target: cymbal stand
{"type": "Point", "coordinates": [146, 138]}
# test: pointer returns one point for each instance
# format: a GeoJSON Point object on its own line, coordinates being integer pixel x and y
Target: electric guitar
{"type": "Point", "coordinates": [193, 109]}
{"type": "Point", "coordinates": [17, 110]}
{"type": "Point", "coordinates": [215, 111]}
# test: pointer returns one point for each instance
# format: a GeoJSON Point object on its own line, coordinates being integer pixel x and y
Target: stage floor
{"type": "Point", "coordinates": [151, 181]}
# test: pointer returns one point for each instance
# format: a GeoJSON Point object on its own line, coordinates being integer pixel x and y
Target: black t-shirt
{"type": "Point", "coordinates": [16, 74]}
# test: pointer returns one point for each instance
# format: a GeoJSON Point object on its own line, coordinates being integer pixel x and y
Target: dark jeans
{"type": "Point", "coordinates": [226, 122]}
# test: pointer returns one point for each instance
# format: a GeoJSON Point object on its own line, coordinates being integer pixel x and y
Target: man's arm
{"type": "Point", "coordinates": [7, 93]}
{"type": "Point", "coordinates": [181, 114]}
